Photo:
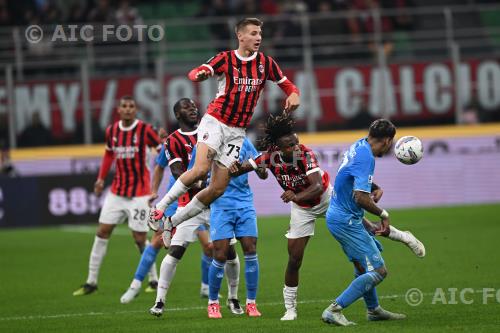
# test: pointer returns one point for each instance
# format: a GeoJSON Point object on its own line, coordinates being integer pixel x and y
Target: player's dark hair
{"type": "Point", "coordinates": [382, 128]}
{"type": "Point", "coordinates": [177, 105]}
{"type": "Point", "coordinates": [247, 21]}
{"type": "Point", "coordinates": [276, 128]}
{"type": "Point", "coordinates": [127, 98]}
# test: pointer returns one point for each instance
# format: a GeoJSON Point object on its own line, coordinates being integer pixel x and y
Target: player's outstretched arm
{"type": "Point", "coordinates": [200, 73]}
{"type": "Point", "coordinates": [238, 168]}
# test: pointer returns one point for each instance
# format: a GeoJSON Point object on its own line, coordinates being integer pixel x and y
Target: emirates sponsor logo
{"type": "Point", "coordinates": [247, 81]}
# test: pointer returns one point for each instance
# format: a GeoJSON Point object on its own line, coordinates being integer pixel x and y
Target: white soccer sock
{"type": "Point", "coordinates": [173, 194]}
{"type": "Point", "coordinates": [96, 255]}
{"type": "Point", "coordinates": [153, 272]}
{"type": "Point", "coordinates": [290, 297]}
{"type": "Point", "coordinates": [167, 272]}
{"type": "Point", "coordinates": [398, 235]}
{"type": "Point", "coordinates": [136, 284]}
{"type": "Point", "coordinates": [232, 270]}
{"type": "Point", "coordinates": [193, 208]}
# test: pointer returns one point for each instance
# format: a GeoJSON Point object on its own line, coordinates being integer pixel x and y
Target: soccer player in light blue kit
{"type": "Point", "coordinates": [233, 215]}
{"type": "Point", "coordinates": [351, 196]}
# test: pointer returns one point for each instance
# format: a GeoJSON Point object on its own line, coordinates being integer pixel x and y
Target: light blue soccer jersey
{"type": "Point", "coordinates": [238, 193]}
{"type": "Point", "coordinates": [355, 174]}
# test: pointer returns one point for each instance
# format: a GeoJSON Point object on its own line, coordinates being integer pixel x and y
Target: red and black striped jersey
{"type": "Point", "coordinates": [178, 148]}
{"type": "Point", "coordinates": [129, 145]}
{"type": "Point", "coordinates": [293, 176]}
{"type": "Point", "coordinates": [241, 81]}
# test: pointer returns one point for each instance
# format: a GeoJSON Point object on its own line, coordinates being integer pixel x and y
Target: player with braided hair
{"type": "Point", "coordinates": [306, 187]}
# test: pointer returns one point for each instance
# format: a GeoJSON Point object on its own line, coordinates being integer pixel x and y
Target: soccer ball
{"type": "Point", "coordinates": [409, 150]}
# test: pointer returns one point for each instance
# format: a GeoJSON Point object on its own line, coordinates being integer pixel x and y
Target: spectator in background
{"type": "Point", "coordinates": [126, 14]}
{"type": "Point", "coordinates": [77, 13]}
{"type": "Point", "coordinates": [220, 31]}
{"type": "Point", "coordinates": [35, 134]}
{"type": "Point", "coordinates": [102, 13]}
{"type": "Point", "coordinates": [324, 30]}
{"type": "Point", "coordinates": [5, 14]}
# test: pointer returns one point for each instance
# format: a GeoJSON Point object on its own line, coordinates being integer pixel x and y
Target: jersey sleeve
{"type": "Point", "coordinates": [162, 158]}
{"type": "Point", "coordinates": [217, 64]}
{"type": "Point", "coordinates": [152, 138]}
{"type": "Point", "coordinates": [173, 150]}
{"type": "Point", "coordinates": [108, 138]}
{"type": "Point", "coordinates": [249, 151]}
{"type": "Point", "coordinates": [263, 161]}
{"type": "Point", "coordinates": [310, 162]}
{"type": "Point", "coordinates": [275, 73]}
{"type": "Point", "coordinates": [362, 171]}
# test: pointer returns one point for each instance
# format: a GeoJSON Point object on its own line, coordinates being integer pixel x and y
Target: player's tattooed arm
{"type": "Point", "coordinates": [211, 154]}
{"type": "Point", "coordinates": [176, 169]}
{"type": "Point", "coordinates": [238, 168]}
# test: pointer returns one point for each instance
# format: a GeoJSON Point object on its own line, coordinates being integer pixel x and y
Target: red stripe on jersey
{"type": "Point", "coordinates": [244, 82]}
{"type": "Point", "coordinates": [181, 146]}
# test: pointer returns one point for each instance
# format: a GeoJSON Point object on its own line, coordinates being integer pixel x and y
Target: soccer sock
{"type": "Point", "coordinates": [398, 235]}
{"type": "Point", "coordinates": [233, 277]}
{"type": "Point", "coordinates": [215, 275]}
{"type": "Point", "coordinates": [167, 272]}
{"type": "Point", "coordinates": [146, 263]}
{"type": "Point", "coordinates": [173, 194]}
{"type": "Point", "coordinates": [252, 275]}
{"type": "Point", "coordinates": [358, 287]}
{"type": "Point", "coordinates": [370, 297]}
{"type": "Point", "coordinates": [96, 255]}
{"type": "Point", "coordinates": [290, 297]}
{"type": "Point", "coordinates": [193, 208]}
{"type": "Point", "coordinates": [152, 274]}
{"type": "Point", "coordinates": [205, 265]}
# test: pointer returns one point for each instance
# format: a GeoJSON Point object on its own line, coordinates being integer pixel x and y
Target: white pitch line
{"type": "Point", "coordinates": [68, 315]}
{"type": "Point", "coordinates": [83, 229]}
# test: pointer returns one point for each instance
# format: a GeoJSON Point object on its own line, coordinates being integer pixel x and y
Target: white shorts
{"type": "Point", "coordinates": [117, 209]}
{"type": "Point", "coordinates": [186, 232]}
{"type": "Point", "coordinates": [302, 220]}
{"type": "Point", "coordinates": [225, 140]}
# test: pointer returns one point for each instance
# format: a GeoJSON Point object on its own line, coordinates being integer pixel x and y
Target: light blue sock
{"type": "Point", "coordinates": [205, 265]}
{"type": "Point", "coordinates": [251, 275]}
{"type": "Point", "coordinates": [215, 276]}
{"type": "Point", "coordinates": [147, 259]}
{"type": "Point", "coordinates": [370, 297]}
{"type": "Point", "coordinates": [358, 288]}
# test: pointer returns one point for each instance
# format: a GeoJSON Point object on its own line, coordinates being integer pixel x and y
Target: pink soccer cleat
{"type": "Point", "coordinates": [251, 310]}
{"type": "Point", "coordinates": [214, 311]}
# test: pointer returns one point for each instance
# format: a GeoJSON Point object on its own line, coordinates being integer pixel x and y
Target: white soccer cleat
{"type": "Point", "coordinates": [415, 245]}
{"type": "Point", "coordinates": [234, 306]}
{"type": "Point", "coordinates": [380, 314]}
{"type": "Point", "coordinates": [168, 232]}
{"type": "Point", "coordinates": [129, 295]}
{"type": "Point", "coordinates": [157, 309]}
{"type": "Point", "coordinates": [290, 314]}
{"type": "Point", "coordinates": [333, 315]}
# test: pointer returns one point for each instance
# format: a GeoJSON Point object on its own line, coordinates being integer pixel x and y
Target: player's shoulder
{"type": "Point", "coordinates": [218, 56]}
{"type": "Point", "coordinates": [173, 136]}
{"type": "Point", "coordinates": [363, 149]}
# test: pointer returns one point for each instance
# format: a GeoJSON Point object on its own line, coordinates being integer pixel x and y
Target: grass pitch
{"type": "Point", "coordinates": [42, 267]}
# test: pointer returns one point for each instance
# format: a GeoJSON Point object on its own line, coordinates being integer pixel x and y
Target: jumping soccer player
{"type": "Point", "coordinates": [126, 143]}
{"type": "Point", "coordinates": [242, 74]}
{"type": "Point", "coordinates": [353, 185]}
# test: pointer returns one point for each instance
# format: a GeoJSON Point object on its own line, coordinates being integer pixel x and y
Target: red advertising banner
{"type": "Point", "coordinates": [412, 92]}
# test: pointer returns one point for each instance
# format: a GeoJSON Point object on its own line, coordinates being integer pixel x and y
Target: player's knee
{"type": "Point", "coordinates": [200, 171]}
{"type": "Point", "coordinates": [220, 255]}
{"type": "Point", "coordinates": [208, 249]}
{"type": "Point", "coordinates": [177, 251]}
{"type": "Point", "coordinates": [157, 243]}
{"type": "Point", "coordinates": [382, 271]}
{"type": "Point", "coordinates": [294, 262]}
{"type": "Point", "coordinates": [104, 233]}
{"type": "Point", "coordinates": [250, 249]}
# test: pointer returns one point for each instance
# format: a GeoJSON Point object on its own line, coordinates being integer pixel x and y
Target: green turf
{"type": "Point", "coordinates": [42, 267]}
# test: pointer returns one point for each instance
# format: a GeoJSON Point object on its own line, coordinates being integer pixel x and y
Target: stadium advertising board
{"type": "Point", "coordinates": [417, 91]}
